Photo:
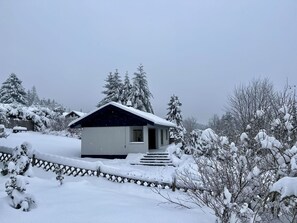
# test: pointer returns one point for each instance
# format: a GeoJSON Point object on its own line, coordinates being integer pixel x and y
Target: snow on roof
{"type": "Point", "coordinates": [148, 116]}
{"type": "Point", "coordinates": [80, 114]}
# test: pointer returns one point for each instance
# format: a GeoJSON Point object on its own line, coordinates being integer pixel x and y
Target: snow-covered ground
{"type": "Point", "coordinates": [92, 199]}
{"type": "Point", "coordinates": [70, 147]}
{"type": "Point", "coordinates": [57, 145]}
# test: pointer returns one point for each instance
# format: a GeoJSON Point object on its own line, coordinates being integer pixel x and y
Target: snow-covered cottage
{"type": "Point", "coordinates": [74, 114]}
{"type": "Point", "coordinates": [114, 130]}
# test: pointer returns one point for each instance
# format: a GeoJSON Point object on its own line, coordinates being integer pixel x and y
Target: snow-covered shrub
{"type": "Point", "coordinates": [224, 178]}
{"type": "Point", "coordinates": [59, 172]}
{"type": "Point", "coordinates": [20, 159]}
{"type": "Point", "coordinates": [3, 133]}
{"type": "Point", "coordinates": [15, 187]}
{"type": "Point", "coordinates": [40, 116]}
{"type": "Point", "coordinates": [236, 180]}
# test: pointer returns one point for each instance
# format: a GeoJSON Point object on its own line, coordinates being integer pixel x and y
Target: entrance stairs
{"type": "Point", "coordinates": [155, 159]}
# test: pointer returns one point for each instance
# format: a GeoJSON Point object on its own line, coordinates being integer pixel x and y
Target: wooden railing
{"type": "Point", "coordinates": [79, 171]}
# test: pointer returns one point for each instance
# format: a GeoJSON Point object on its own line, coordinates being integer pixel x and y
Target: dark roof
{"type": "Point", "coordinates": [115, 114]}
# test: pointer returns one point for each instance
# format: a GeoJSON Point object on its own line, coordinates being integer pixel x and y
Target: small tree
{"type": "Point", "coordinates": [258, 95]}
{"type": "Point", "coordinates": [20, 159]}
{"type": "Point", "coordinates": [59, 171]}
{"type": "Point", "coordinates": [12, 91]}
{"type": "Point", "coordinates": [15, 187]}
{"type": "Point", "coordinates": [174, 115]}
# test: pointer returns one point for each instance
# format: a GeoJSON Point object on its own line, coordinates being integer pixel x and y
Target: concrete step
{"type": "Point", "coordinates": [154, 161]}
{"type": "Point", "coordinates": [155, 158]}
{"type": "Point", "coordinates": [155, 153]}
{"type": "Point", "coordinates": [152, 164]}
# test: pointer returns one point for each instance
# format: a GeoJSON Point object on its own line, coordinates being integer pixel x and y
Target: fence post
{"type": "Point", "coordinates": [33, 160]}
{"type": "Point", "coordinates": [174, 183]}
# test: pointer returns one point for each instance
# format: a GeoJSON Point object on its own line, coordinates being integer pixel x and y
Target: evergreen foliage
{"type": "Point", "coordinates": [141, 94]}
{"type": "Point", "coordinates": [174, 115]}
{"type": "Point", "coordinates": [12, 91]}
{"type": "Point", "coordinates": [113, 89]}
{"type": "Point", "coordinates": [127, 90]}
{"type": "Point", "coordinates": [32, 97]}
{"type": "Point", "coordinates": [15, 187]}
{"type": "Point", "coordinates": [137, 93]}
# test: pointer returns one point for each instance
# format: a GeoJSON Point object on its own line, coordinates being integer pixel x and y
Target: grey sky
{"type": "Point", "coordinates": [198, 50]}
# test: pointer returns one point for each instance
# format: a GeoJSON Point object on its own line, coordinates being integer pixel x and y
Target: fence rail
{"type": "Point", "coordinates": [69, 170]}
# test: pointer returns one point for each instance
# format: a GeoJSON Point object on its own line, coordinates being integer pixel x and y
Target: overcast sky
{"type": "Point", "coordinates": [198, 50]}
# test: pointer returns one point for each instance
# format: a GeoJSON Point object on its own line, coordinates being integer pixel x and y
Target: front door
{"type": "Point", "coordinates": [152, 139]}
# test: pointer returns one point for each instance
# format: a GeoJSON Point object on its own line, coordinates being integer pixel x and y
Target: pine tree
{"type": "Point", "coordinates": [127, 90]}
{"type": "Point", "coordinates": [140, 92]}
{"type": "Point", "coordinates": [113, 88]}
{"type": "Point", "coordinates": [174, 115]}
{"type": "Point", "coordinates": [32, 97]}
{"type": "Point", "coordinates": [12, 91]}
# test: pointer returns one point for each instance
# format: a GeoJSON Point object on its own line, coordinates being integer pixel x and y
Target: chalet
{"type": "Point", "coordinates": [114, 130]}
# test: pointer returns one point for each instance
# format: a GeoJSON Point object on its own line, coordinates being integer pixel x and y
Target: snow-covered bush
{"type": "Point", "coordinates": [40, 116]}
{"type": "Point", "coordinates": [20, 159]}
{"type": "Point", "coordinates": [224, 178]}
{"type": "Point", "coordinates": [15, 187]}
{"type": "Point", "coordinates": [3, 133]}
{"type": "Point", "coordinates": [43, 118]}
{"type": "Point", "coordinates": [235, 180]}
{"type": "Point", "coordinates": [59, 171]}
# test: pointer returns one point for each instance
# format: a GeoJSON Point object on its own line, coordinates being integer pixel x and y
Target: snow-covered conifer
{"type": "Point", "coordinates": [174, 115]}
{"type": "Point", "coordinates": [15, 187]}
{"type": "Point", "coordinates": [12, 91]}
{"type": "Point", "coordinates": [141, 94]}
{"type": "Point", "coordinates": [21, 159]}
{"type": "Point", "coordinates": [113, 89]}
{"type": "Point", "coordinates": [32, 97]}
{"type": "Point", "coordinates": [127, 90]}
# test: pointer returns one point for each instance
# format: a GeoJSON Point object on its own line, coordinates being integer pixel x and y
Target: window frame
{"type": "Point", "coordinates": [136, 134]}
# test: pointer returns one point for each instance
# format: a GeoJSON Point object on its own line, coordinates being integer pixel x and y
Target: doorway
{"type": "Point", "coordinates": [152, 139]}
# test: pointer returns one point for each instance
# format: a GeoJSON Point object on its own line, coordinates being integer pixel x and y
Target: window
{"type": "Point", "coordinates": [166, 132]}
{"type": "Point", "coordinates": [162, 139]}
{"type": "Point", "coordinates": [136, 134]}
